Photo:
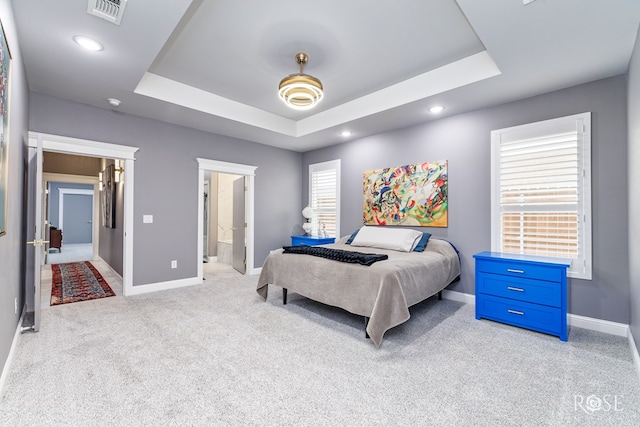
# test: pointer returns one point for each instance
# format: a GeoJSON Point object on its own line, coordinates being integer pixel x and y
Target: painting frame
{"type": "Point", "coordinates": [414, 195]}
{"type": "Point", "coordinates": [5, 68]}
{"type": "Point", "coordinates": [108, 197]}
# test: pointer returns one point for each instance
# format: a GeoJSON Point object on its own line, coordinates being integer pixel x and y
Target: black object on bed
{"type": "Point", "coordinates": [336, 254]}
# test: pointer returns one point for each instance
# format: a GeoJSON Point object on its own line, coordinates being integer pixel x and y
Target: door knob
{"type": "Point", "coordinates": [38, 242]}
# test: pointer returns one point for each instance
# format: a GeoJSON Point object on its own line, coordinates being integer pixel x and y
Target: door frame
{"type": "Point", "coordinates": [208, 165]}
{"type": "Point", "coordinates": [205, 226]}
{"type": "Point", "coordinates": [89, 148]}
{"type": "Point", "coordinates": [238, 232]}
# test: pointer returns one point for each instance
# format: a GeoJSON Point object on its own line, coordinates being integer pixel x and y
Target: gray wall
{"type": "Point", "coordinates": [54, 199]}
{"type": "Point", "coordinates": [12, 245]}
{"type": "Point", "coordinates": [166, 182]}
{"type": "Point", "coordinates": [634, 188]}
{"type": "Point", "coordinates": [464, 141]}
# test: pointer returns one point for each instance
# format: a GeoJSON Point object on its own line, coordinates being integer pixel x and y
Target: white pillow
{"type": "Point", "coordinates": [398, 239]}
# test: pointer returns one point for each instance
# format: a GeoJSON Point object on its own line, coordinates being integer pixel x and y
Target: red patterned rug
{"type": "Point", "coordinates": [77, 281]}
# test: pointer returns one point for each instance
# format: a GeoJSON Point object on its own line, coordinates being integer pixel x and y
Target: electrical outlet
{"type": "Point", "coordinates": [15, 306]}
{"type": "Point", "coordinates": [174, 263]}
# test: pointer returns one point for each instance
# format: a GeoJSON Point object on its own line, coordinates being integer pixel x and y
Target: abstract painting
{"type": "Point", "coordinates": [5, 61]}
{"type": "Point", "coordinates": [411, 195]}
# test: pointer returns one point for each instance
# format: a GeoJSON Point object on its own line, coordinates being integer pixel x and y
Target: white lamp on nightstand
{"type": "Point", "coordinates": [307, 213]}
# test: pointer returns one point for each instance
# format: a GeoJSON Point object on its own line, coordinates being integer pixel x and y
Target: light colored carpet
{"type": "Point", "coordinates": [217, 354]}
{"type": "Point", "coordinates": [71, 253]}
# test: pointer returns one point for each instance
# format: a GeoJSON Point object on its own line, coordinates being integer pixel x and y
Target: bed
{"type": "Point", "coordinates": [381, 292]}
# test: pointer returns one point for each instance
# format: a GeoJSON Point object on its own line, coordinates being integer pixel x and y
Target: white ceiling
{"type": "Point", "coordinates": [216, 65]}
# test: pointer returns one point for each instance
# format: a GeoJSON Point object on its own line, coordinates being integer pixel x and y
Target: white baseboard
{"type": "Point", "coordinates": [606, 326]}
{"type": "Point", "coordinates": [110, 268]}
{"type": "Point", "coordinates": [7, 363]}
{"type": "Point", "coordinates": [254, 271]}
{"type": "Point", "coordinates": [459, 296]}
{"type": "Point", "coordinates": [163, 286]}
{"type": "Point", "coordinates": [213, 259]}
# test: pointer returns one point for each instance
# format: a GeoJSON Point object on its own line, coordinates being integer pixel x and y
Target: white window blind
{"type": "Point", "coordinates": [541, 191]}
{"type": "Point", "coordinates": [324, 197]}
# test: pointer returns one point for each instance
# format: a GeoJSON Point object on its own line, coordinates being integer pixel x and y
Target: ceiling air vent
{"type": "Point", "coordinates": [110, 10]}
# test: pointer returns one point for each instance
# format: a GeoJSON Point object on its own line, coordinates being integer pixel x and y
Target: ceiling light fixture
{"type": "Point", "coordinates": [301, 91]}
{"type": "Point", "coordinates": [114, 102]}
{"type": "Point", "coordinates": [345, 133]}
{"type": "Point", "coordinates": [436, 109]}
{"type": "Point", "coordinates": [87, 43]}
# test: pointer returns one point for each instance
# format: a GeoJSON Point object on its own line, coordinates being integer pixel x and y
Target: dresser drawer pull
{"type": "Point", "coordinates": [511, 288]}
{"type": "Point", "coordinates": [519, 313]}
{"type": "Point", "coordinates": [511, 270]}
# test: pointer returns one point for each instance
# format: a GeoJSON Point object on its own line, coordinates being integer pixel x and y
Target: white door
{"type": "Point", "coordinates": [35, 235]}
{"type": "Point", "coordinates": [239, 261]}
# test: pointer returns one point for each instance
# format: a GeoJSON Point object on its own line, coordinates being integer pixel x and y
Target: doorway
{"type": "Point", "coordinates": [71, 209]}
{"type": "Point", "coordinates": [241, 238]}
{"type": "Point", "coordinates": [39, 143]}
{"type": "Point", "coordinates": [225, 219]}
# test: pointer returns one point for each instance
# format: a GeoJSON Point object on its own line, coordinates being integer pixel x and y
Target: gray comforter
{"type": "Point", "coordinates": [383, 291]}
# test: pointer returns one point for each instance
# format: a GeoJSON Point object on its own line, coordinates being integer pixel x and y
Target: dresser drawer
{"type": "Point", "coordinates": [528, 290]}
{"type": "Point", "coordinates": [521, 269]}
{"type": "Point", "coordinates": [311, 241]}
{"type": "Point", "coordinates": [531, 316]}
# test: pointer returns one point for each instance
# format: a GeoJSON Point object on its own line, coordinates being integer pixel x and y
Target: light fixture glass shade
{"type": "Point", "coordinates": [301, 91]}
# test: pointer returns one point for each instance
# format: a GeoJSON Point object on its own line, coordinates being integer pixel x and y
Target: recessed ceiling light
{"type": "Point", "coordinates": [114, 102]}
{"type": "Point", "coordinates": [87, 43]}
{"type": "Point", "coordinates": [346, 133]}
{"type": "Point", "coordinates": [436, 109]}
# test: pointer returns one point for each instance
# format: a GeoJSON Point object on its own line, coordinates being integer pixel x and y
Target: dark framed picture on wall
{"type": "Point", "coordinates": [109, 197]}
{"type": "Point", "coordinates": [5, 66]}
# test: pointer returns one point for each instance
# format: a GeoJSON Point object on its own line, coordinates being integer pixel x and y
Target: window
{"type": "Point", "coordinates": [541, 190]}
{"type": "Point", "coordinates": [324, 197]}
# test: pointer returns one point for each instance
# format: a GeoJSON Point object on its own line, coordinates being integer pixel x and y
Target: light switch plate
{"type": "Point", "coordinates": [147, 219]}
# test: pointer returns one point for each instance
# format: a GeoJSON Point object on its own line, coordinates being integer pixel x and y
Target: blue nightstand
{"type": "Point", "coordinates": [311, 240]}
{"type": "Point", "coordinates": [522, 290]}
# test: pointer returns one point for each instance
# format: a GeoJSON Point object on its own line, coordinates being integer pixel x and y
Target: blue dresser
{"type": "Point", "coordinates": [311, 240]}
{"type": "Point", "coordinates": [523, 290]}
